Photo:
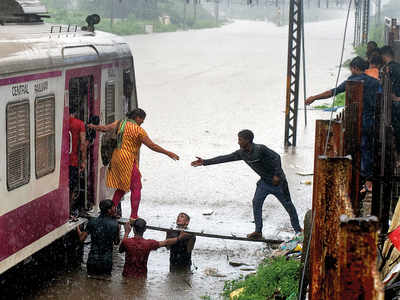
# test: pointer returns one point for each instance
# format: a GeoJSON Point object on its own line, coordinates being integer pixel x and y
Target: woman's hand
{"type": "Point", "coordinates": [173, 156]}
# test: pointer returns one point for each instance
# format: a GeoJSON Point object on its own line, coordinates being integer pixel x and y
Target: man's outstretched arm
{"type": "Point", "coordinates": [216, 160]}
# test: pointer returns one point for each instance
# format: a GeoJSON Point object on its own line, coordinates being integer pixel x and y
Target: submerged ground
{"type": "Point", "coordinates": [199, 89]}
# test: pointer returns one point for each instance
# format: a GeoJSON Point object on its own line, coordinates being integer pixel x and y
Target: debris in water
{"type": "Point", "coordinates": [213, 272]}
{"type": "Point", "coordinates": [237, 264]}
{"type": "Point", "coordinates": [209, 213]}
{"type": "Point", "coordinates": [307, 182]}
{"type": "Point", "coordinates": [247, 269]}
{"type": "Point", "coordinates": [304, 173]}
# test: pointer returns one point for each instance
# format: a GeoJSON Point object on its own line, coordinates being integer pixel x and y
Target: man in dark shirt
{"type": "Point", "coordinates": [394, 71]}
{"type": "Point", "coordinates": [371, 87]}
{"type": "Point", "coordinates": [104, 232]}
{"type": "Point", "coordinates": [180, 255]}
{"type": "Point", "coordinates": [267, 164]}
{"type": "Point", "coordinates": [137, 249]}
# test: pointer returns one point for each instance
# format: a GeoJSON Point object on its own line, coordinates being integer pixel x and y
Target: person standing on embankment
{"type": "Point", "coordinates": [371, 88]}
{"type": "Point", "coordinates": [267, 164]}
{"type": "Point", "coordinates": [123, 171]}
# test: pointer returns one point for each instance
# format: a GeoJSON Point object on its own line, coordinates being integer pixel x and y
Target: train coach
{"type": "Point", "coordinates": [44, 69]}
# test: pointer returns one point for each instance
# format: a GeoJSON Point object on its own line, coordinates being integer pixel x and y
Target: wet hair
{"type": "Point", "coordinates": [373, 52]}
{"type": "Point", "coordinates": [139, 225]}
{"type": "Point", "coordinates": [373, 44]}
{"type": "Point", "coordinates": [185, 214]}
{"type": "Point", "coordinates": [387, 51]}
{"type": "Point", "coordinates": [246, 134]}
{"type": "Point", "coordinates": [359, 63]}
{"type": "Point", "coordinates": [137, 112]}
{"type": "Point", "coordinates": [376, 60]}
{"type": "Point", "coordinates": [105, 205]}
{"type": "Point", "coordinates": [72, 109]}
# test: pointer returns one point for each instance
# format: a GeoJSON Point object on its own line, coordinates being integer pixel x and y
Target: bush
{"type": "Point", "coordinates": [275, 277]}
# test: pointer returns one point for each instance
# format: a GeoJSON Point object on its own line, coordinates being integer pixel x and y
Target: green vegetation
{"type": "Point", "coordinates": [127, 17]}
{"type": "Point", "coordinates": [275, 277]}
{"type": "Point", "coordinates": [340, 100]}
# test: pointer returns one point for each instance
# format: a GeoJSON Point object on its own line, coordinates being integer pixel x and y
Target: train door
{"type": "Point", "coordinates": [82, 88]}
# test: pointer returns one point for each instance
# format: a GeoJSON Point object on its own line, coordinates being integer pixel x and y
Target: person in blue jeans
{"type": "Point", "coordinates": [267, 164]}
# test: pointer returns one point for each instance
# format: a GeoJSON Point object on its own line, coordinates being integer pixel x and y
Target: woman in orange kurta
{"type": "Point", "coordinates": [123, 172]}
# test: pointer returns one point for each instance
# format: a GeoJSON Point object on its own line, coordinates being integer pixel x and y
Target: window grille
{"type": "Point", "coordinates": [110, 102]}
{"type": "Point", "coordinates": [18, 144]}
{"type": "Point", "coordinates": [44, 135]}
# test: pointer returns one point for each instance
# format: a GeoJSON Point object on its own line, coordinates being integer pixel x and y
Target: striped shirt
{"type": "Point", "coordinates": [120, 168]}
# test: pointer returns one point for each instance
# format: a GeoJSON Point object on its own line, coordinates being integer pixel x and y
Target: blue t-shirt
{"type": "Point", "coordinates": [371, 88]}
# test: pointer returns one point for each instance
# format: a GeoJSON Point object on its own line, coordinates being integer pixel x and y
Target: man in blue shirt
{"type": "Point", "coordinates": [104, 232]}
{"type": "Point", "coordinates": [267, 164]}
{"type": "Point", "coordinates": [371, 88]}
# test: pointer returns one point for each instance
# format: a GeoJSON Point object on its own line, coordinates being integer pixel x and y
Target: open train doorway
{"type": "Point", "coordinates": [81, 105]}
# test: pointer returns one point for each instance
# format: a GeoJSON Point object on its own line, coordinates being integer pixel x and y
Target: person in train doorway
{"type": "Point", "coordinates": [393, 68]}
{"type": "Point", "coordinates": [77, 157]}
{"type": "Point", "coordinates": [266, 163]}
{"type": "Point", "coordinates": [137, 249]}
{"type": "Point", "coordinates": [180, 254]}
{"type": "Point", "coordinates": [123, 173]}
{"type": "Point", "coordinates": [104, 233]}
{"type": "Point", "coordinates": [371, 88]}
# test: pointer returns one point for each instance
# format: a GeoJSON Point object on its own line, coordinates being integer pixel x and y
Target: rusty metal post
{"type": "Point", "coordinates": [383, 157]}
{"type": "Point", "coordinates": [293, 72]}
{"type": "Point", "coordinates": [359, 277]}
{"type": "Point", "coordinates": [352, 136]}
{"type": "Point", "coordinates": [331, 199]}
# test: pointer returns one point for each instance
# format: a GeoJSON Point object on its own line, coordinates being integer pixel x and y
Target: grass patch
{"type": "Point", "coordinates": [340, 100]}
{"type": "Point", "coordinates": [275, 277]}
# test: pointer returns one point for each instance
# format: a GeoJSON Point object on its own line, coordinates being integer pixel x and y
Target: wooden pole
{"type": "Point", "coordinates": [359, 277]}
{"type": "Point", "coordinates": [330, 200]}
{"type": "Point", "coordinates": [209, 235]}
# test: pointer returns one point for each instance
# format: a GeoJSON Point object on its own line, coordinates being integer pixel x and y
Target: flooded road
{"type": "Point", "coordinates": [199, 88]}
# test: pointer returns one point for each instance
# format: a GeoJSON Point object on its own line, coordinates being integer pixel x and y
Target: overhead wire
{"type": "Point", "coordinates": [326, 146]}
{"type": "Point", "coordinates": [338, 76]}
{"type": "Point", "coordinates": [304, 63]}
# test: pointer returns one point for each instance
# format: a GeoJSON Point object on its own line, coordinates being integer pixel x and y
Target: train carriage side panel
{"type": "Point", "coordinates": [35, 197]}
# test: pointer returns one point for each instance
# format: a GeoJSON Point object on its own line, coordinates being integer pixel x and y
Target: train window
{"type": "Point", "coordinates": [44, 135]}
{"type": "Point", "coordinates": [129, 90]}
{"type": "Point", "coordinates": [18, 144]}
{"type": "Point", "coordinates": [110, 102]}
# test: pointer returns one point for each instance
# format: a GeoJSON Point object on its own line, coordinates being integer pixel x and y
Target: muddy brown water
{"type": "Point", "coordinates": [199, 89]}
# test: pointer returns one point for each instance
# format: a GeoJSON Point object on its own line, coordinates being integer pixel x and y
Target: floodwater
{"type": "Point", "coordinates": [199, 88]}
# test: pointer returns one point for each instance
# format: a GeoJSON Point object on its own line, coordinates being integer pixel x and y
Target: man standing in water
{"type": "Point", "coordinates": [104, 232]}
{"type": "Point", "coordinates": [137, 249]}
{"type": "Point", "coordinates": [267, 164]}
{"type": "Point", "coordinates": [180, 255]}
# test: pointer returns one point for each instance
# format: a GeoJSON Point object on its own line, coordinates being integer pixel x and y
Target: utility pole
{"type": "Point", "coordinates": [112, 14]}
{"type": "Point", "coordinates": [293, 72]}
{"type": "Point", "coordinates": [378, 11]}
{"type": "Point", "coordinates": [365, 22]}
{"type": "Point", "coordinates": [216, 12]}
{"type": "Point", "coordinates": [194, 11]}
{"type": "Point", "coordinates": [184, 14]}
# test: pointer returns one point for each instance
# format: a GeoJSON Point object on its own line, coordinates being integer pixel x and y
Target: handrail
{"type": "Point", "coordinates": [80, 46]}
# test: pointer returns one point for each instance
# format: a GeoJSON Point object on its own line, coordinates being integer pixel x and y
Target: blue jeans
{"type": "Point", "coordinates": [281, 192]}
